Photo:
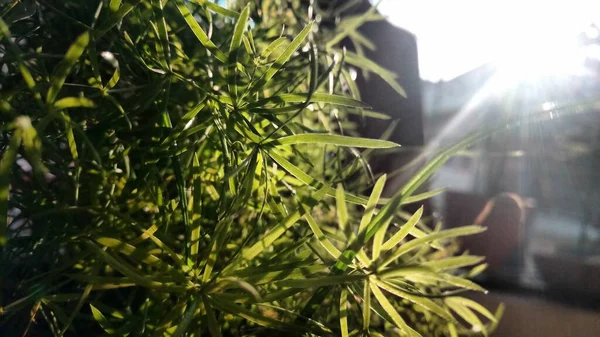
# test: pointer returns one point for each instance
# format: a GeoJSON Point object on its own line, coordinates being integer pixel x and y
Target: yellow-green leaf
{"type": "Point", "coordinates": [338, 140]}
{"type": "Point", "coordinates": [71, 57]}
{"type": "Point", "coordinates": [404, 230]}
{"type": "Point", "coordinates": [73, 102]}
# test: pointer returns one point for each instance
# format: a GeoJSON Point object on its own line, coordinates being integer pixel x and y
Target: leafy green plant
{"type": "Point", "coordinates": [176, 168]}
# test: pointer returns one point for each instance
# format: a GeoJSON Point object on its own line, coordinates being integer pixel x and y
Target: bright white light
{"type": "Point", "coordinates": [592, 32]}
{"type": "Point", "coordinates": [457, 36]}
{"type": "Point", "coordinates": [548, 106]}
{"type": "Point", "coordinates": [538, 61]}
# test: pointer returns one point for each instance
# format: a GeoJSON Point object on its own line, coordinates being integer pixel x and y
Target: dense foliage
{"type": "Point", "coordinates": [177, 168]}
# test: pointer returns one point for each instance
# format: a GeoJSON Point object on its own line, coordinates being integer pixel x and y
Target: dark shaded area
{"type": "Point", "coordinates": [395, 50]}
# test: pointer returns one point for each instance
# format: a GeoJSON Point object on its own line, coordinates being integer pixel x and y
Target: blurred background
{"type": "Point", "coordinates": [467, 65]}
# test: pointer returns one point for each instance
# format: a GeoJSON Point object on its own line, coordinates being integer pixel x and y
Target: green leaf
{"type": "Point", "coordinates": [256, 318]}
{"type": "Point", "coordinates": [329, 247]}
{"type": "Point", "coordinates": [397, 320]}
{"type": "Point", "coordinates": [422, 196]}
{"type": "Point", "coordinates": [73, 102]}
{"type": "Point", "coordinates": [366, 305]}
{"type": "Point", "coordinates": [283, 58]}
{"type": "Point", "coordinates": [188, 317]}
{"type": "Point", "coordinates": [338, 140]}
{"type": "Point", "coordinates": [266, 274]}
{"type": "Point", "coordinates": [404, 271]}
{"type": "Point", "coordinates": [104, 323]}
{"type": "Point", "coordinates": [453, 262]}
{"type": "Point", "coordinates": [215, 247]}
{"type": "Point", "coordinates": [342, 211]}
{"type": "Point", "coordinates": [6, 164]}
{"type": "Point", "coordinates": [228, 282]}
{"type": "Point", "coordinates": [196, 208]}
{"type": "Point", "coordinates": [216, 8]}
{"type": "Point", "coordinates": [199, 32]}
{"type": "Point", "coordinates": [421, 301]}
{"type": "Point", "coordinates": [372, 203]}
{"type": "Point", "coordinates": [135, 253]}
{"type": "Point", "coordinates": [466, 314]}
{"type": "Point", "coordinates": [314, 98]}
{"type": "Point", "coordinates": [71, 57]}
{"type": "Point", "coordinates": [308, 180]}
{"type": "Point", "coordinates": [116, 17]}
{"type": "Point", "coordinates": [320, 282]}
{"type": "Point", "coordinates": [236, 41]}
{"type": "Point", "coordinates": [473, 305]}
{"type": "Point", "coordinates": [446, 234]}
{"type": "Point", "coordinates": [351, 25]}
{"type": "Point", "coordinates": [103, 282]}
{"type": "Point", "coordinates": [273, 46]}
{"type": "Point", "coordinates": [369, 113]}
{"type": "Point", "coordinates": [114, 79]}
{"type": "Point", "coordinates": [344, 312]}
{"type": "Point", "coordinates": [357, 37]}
{"type": "Point", "coordinates": [211, 319]}
{"type": "Point", "coordinates": [25, 73]}
{"type": "Point", "coordinates": [387, 75]}
{"type": "Point", "coordinates": [427, 277]}
{"type": "Point", "coordinates": [404, 230]}
{"type": "Point", "coordinates": [114, 5]}
{"type": "Point", "coordinates": [132, 273]}
{"type": "Point", "coordinates": [83, 297]}
{"type": "Point", "coordinates": [269, 237]}
{"type": "Point", "coordinates": [180, 127]}
{"type": "Point", "coordinates": [477, 270]}
{"type": "Point", "coordinates": [423, 175]}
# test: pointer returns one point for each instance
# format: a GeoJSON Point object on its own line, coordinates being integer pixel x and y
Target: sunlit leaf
{"type": "Point", "coordinates": [338, 140]}
{"type": "Point", "coordinates": [397, 320]}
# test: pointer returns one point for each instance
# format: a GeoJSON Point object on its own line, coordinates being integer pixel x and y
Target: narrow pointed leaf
{"type": "Point", "coordinates": [387, 75]}
{"type": "Point", "coordinates": [136, 253]}
{"type": "Point", "coordinates": [473, 305]}
{"type": "Point", "coordinates": [398, 321]}
{"type": "Point", "coordinates": [199, 32]}
{"type": "Point", "coordinates": [404, 230]}
{"type": "Point", "coordinates": [446, 234]}
{"type": "Point", "coordinates": [421, 301]}
{"type": "Point", "coordinates": [344, 312]}
{"type": "Point", "coordinates": [305, 178]}
{"type": "Point", "coordinates": [314, 98]}
{"type": "Point", "coordinates": [272, 47]}
{"type": "Point", "coordinates": [6, 164]}
{"type": "Point", "coordinates": [372, 203]}
{"type": "Point", "coordinates": [187, 318]}
{"type": "Point", "coordinates": [342, 210]}
{"type": "Point", "coordinates": [422, 196]}
{"type": "Point", "coordinates": [338, 140]}
{"type": "Point", "coordinates": [466, 314]}
{"type": "Point", "coordinates": [284, 57]}
{"type": "Point", "coordinates": [73, 102]}
{"type": "Point", "coordinates": [323, 240]}
{"type": "Point", "coordinates": [211, 319]}
{"type": "Point", "coordinates": [196, 208]}
{"type": "Point", "coordinates": [238, 33]}
{"type": "Point", "coordinates": [116, 17]}
{"type": "Point", "coordinates": [320, 282]}
{"type": "Point", "coordinates": [453, 262]}
{"type": "Point", "coordinates": [71, 57]}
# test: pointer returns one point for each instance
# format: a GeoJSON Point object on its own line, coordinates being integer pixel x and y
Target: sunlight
{"type": "Point", "coordinates": [458, 36]}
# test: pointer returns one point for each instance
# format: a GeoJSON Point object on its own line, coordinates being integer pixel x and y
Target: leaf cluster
{"type": "Point", "coordinates": [177, 168]}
